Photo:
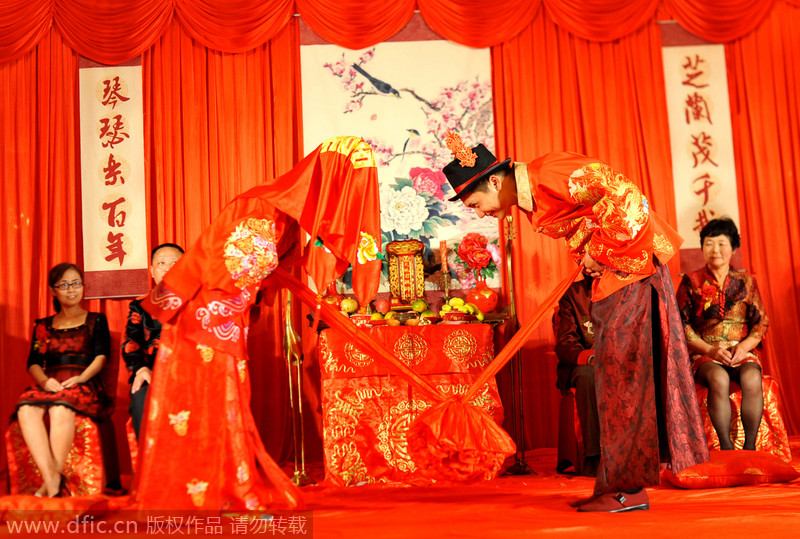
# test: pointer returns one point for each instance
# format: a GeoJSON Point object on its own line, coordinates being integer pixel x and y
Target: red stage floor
{"type": "Point", "coordinates": [537, 505]}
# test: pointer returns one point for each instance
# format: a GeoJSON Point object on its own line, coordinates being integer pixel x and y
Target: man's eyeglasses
{"type": "Point", "coordinates": [75, 284]}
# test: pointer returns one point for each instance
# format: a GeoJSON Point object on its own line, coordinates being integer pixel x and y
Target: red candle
{"type": "Point", "coordinates": [443, 251]}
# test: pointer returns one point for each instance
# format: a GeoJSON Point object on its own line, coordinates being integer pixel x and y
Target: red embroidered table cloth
{"type": "Point", "coordinates": [367, 409]}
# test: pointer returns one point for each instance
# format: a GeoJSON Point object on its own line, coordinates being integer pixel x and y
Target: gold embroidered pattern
{"type": "Point", "coordinates": [348, 464]}
{"type": "Point", "coordinates": [241, 369]}
{"type": "Point", "coordinates": [197, 490]}
{"type": "Point", "coordinates": [180, 422]}
{"type": "Point", "coordinates": [616, 201]}
{"type": "Point", "coordinates": [356, 356]}
{"type": "Point", "coordinates": [250, 252]}
{"type": "Point", "coordinates": [411, 349]}
{"type": "Point", "coordinates": [206, 352]}
{"type": "Point", "coordinates": [328, 358]}
{"type": "Point", "coordinates": [392, 434]}
{"type": "Point", "coordinates": [629, 264]}
{"type": "Point", "coordinates": [662, 245]}
{"type": "Point", "coordinates": [460, 347]}
{"type": "Point", "coordinates": [577, 240]}
{"type": "Point", "coordinates": [357, 150]}
{"type": "Point", "coordinates": [524, 195]}
{"type": "Point", "coordinates": [466, 157]}
{"type": "Point", "coordinates": [559, 229]}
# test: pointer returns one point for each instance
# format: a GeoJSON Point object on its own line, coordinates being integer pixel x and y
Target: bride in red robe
{"type": "Point", "coordinates": [200, 448]}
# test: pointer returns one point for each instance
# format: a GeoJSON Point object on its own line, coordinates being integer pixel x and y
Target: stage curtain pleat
{"type": "Point", "coordinates": [601, 20]}
{"type": "Point", "coordinates": [556, 91]}
{"type": "Point", "coordinates": [23, 23]}
{"type": "Point", "coordinates": [765, 107]}
{"type": "Point", "coordinates": [719, 20]}
{"type": "Point", "coordinates": [111, 32]}
{"type": "Point", "coordinates": [475, 23]}
{"type": "Point", "coordinates": [355, 24]}
{"type": "Point", "coordinates": [233, 25]}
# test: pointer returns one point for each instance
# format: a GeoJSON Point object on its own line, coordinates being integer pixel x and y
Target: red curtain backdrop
{"type": "Point", "coordinates": [222, 113]}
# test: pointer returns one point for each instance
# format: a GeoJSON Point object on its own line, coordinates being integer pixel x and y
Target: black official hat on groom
{"type": "Point", "coordinates": [469, 166]}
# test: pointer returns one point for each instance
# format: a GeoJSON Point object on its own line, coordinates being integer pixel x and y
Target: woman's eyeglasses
{"type": "Point", "coordinates": [63, 286]}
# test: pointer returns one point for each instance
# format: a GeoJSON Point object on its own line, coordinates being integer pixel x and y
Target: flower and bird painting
{"type": "Point", "coordinates": [403, 108]}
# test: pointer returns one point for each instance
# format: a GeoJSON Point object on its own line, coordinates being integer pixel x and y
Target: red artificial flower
{"type": "Point", "coordinates": [473, 251]}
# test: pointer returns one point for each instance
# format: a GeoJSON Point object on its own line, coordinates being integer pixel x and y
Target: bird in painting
{"type": "Point", "coordinates": [382, 87]}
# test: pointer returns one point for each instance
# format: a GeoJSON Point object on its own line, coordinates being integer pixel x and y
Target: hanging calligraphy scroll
{"type": "Point", "coordinates": [115, 255]}
{"type": "Point", "coordinates": [698, 106]}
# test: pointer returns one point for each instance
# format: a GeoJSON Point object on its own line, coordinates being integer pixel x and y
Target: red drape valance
{"type": "Point", "coordinates": [113, 32]}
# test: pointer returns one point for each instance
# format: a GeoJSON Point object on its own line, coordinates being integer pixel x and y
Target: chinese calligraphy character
{"type": "Point", "coordinates": [111, 92]}
{"type": "Point", "coordinates": [112, 171]}
{"type": "Point", "coordinates": [115, 133]}
{"type": "Point", "coordinates": [697, 108]}
{"type": "Point", "coordinates": [707, 183]}
{"type": "Point", "coordinates": [692, 71]}
{"type": "Point", "coordinates": [703, 219]}
{"type": "Point", "coordinates": [703, 144]}
{"type": "Point", "coordinates": [115, 218]}
{"type": "Point", "coordinates": [115, 248]}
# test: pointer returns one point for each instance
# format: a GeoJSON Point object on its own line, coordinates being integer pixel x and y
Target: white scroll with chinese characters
{"type": "Point", "coordinates": [698, 106]}
{"type": "Point", "coordinates": [115, 251]}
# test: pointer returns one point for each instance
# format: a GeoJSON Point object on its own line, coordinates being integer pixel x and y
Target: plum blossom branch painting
{"type": "Point", "coordinates": [402, 97]}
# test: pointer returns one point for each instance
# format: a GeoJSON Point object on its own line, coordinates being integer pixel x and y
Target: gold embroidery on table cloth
{"type": "Point", "coordinates": [411, 349]}
{"type": "Point", "coordinates": [460, 347]}
{"type": "Point", "coordinates": [348, 464]}
{"type": "Point", "coordinates": [392, 432]}
{"type": "Point", "coordinates": [481, 400]}
{"type": "Point", "coordinates": [338, 426]}
{"type": "Point", "coordinates": [356, 356]}
{"type": "Point", "coordinates": [329, 360]}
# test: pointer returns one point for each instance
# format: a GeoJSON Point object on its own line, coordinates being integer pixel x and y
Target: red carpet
{"type": "Point", "coordinates": [534, 505]}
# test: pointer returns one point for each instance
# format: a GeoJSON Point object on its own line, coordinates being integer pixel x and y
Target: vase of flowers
{"type": "Point", "coordinates": [473, 250]}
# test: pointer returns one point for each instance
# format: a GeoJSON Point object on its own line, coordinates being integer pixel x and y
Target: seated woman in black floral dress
{"type": "Point", "coordinates": [68, 351]}
{"type": "Point", "coordinates": [724, 320]}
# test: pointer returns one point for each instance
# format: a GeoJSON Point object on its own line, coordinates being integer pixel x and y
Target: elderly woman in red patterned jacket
{"type": "Point", "coordinates": [724, 320]}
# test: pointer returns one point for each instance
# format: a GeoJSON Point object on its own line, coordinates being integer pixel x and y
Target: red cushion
{"type": "Point", "coordinates": [734, 468]}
